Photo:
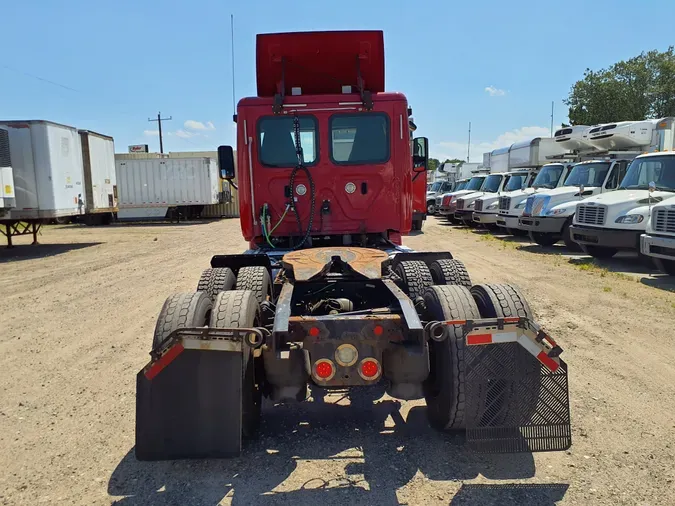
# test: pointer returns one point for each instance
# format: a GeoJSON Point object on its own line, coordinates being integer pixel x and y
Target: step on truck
{"type": "Point", "coordinates": [606, 224]}
{"type": "Point", "coordinates": [326, 295]}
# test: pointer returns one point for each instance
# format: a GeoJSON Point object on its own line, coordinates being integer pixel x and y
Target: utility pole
{"type": "Point", "coordinates": [468, 148]}
{"type": "Point", "coordinates": [159, 123]}
{"type": "Point", "coordinates": [552, 103]}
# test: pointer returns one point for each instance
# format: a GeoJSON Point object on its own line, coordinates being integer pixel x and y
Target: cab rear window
{"type": "Point", "coordinates": [276, 141]}
{"type": "Point", "coordinates": [359, 138]}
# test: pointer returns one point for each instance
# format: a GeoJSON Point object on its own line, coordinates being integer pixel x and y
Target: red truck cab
{"type": "Point", "coordinates": [322, 94]}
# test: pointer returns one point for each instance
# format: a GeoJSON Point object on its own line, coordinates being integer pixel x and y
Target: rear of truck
{"type": "Point", "coordinates": [326, 296]}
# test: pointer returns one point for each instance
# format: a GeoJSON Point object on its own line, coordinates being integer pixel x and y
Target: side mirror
{"type": "Point", "coordinates": [420, 154]}
{"type": "Point", "coordinates": [226, 162]}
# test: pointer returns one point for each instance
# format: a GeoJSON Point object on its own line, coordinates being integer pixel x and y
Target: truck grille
{"type": "Point", "coordinates": [438, 201]}
{"type": "Point", "coordinates": [460, 204]}
{"type": "Point", "coordinates": [5, 160]}
{"type": "Point", "coordinates": [664, 220]}
{"type": "Point", "coordinates": [504, 203]}
{"type": "Point", "coordinates": [479, 205]}
{"type": "Point", "coordinates": [591, 215]}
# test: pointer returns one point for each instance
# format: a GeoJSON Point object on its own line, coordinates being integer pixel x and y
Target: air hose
{"type": "Point", "coordinates": [301, 166]}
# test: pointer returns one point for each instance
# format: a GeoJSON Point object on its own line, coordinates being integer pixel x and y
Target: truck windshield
{"type": "Point", "coordinates": [436, 186]}
{"type": "Point", "coordinates": [515, 182]}
{"type": "Point", "coordinates": [460, 186]}
{"type": "Point", "coordinates": [475, 183]}
{"type": "Point", "coordinates": [588, 174]}
{"type": "Point", "coordinates": [549, 176]}
{"type": "Point", "coordinates": [276, 141]}
{"type": "Point", "coordinates": [492, 183]}
{"type": "Point", "coordinates": [659, 170]}
{"type": "Point", "coordinates": [359, 138]}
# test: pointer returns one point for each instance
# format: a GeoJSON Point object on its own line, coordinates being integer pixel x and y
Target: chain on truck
{"type": "Point", "coordinates": [326, 297]}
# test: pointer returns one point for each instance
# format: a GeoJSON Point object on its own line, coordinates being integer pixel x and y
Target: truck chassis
{"type": "Point", "coordinates": [270, 323]}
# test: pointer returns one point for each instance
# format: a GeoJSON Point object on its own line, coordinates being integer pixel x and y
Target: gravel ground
{"type": "Point", "coordinates": [76, 320]}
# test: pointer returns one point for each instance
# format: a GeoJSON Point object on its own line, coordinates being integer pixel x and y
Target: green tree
{"type": "Point", "coordinates": [433, 164]}
{"type": "Point", "coordinates": [640, 88]}
{"type": "Point", "coordinates": [454, 160]}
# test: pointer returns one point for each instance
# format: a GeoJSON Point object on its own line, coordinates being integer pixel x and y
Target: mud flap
{"type": "Point", "coordinates": [191, 407]}
{"type": "Point", "coordinates": [514, 402]}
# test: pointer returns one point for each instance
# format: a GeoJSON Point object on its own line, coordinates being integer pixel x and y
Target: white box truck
{"type": "Point", "coordinates": [100, 182]}
{"type": "Point", "coordinates": [157, 188]}
{"type": "Point", "coordinates": [608, 223]}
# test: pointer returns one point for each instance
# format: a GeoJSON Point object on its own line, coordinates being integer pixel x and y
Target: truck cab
{"type": "Point", "coordinates": [325, 152]}
{"type": "Point", "coordinates": [443, 201]}
{"type": "Point", "coordinates": [494, 183]}
{"type": "Point", "coordinates": [658, 241]}
{"type": "Point", "coordinates": [438, 188]}
{"type": "Point", "coordinates": [486, 207]}
{"type": "Point", "coordinates": [547, 216]}
{"type": "Point", "coordinates": [449, 200]}
{"type": "Point", "coordinates": [606, 224]}
{"type": "Point", "coordinates": [511, 204]}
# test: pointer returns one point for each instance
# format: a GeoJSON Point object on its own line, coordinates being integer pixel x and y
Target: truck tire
{"type": "Point", "coordinates": [216, 280]}
{"type": "Point", "coordinates": [449, 272]}
{"type": "Point", "coordinates": [544, 239]}
{"type": "Point", "coordinates": [431, 208]}
{"type": "Point", "coordinates": [567, 236]}
{"type": "Point", "coordinates": [416, 277]}
{"type": "Point", "coordinates": [240, 309]}
{"type": "Point", "coordinates": [508, 403]}
{"type": "Point", "coordinates": [599, 251]}
{"type": "Point", "coordinates": [255, 278]}
{"type": "Point", "coordinates": [181, 310]}
{"type": "Point", "coordinates": [444, 389]}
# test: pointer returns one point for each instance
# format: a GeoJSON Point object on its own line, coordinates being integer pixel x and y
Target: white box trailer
{"type": "Point", "coordinates": [534, 153]}
{"type": "Point", "coordinates": [100, 181]}
{"type": "Point", "coordinates": [48, 173]}
{"type": "Point", "coordinates": [499, 160]}
{"type": "Point", "coordinates": [187, 184]}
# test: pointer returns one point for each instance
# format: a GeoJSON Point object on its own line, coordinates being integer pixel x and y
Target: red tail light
{"type": "Point", "coordinates": [324, 369]}
{"type": "Point", "coordinates": [369, 369]}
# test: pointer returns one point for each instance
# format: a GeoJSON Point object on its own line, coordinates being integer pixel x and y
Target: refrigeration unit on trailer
{"type": "Point", "coordinates": [166, 187]}
{"type": "Point", "coordinates": [7, 195]}
{"type": "Point", "coordinates": [574, 139]}
{"type": "Point", "coordinates": [511, 205]}
{"type": "Point", "coordinates": [626, 135]}
{"type": "Point", "coordinates": [48, 175]}
{"type": "Point", "coordinates": [658, 241]}
{"type": "Point", "coordinates": [100, 182]}
{"type": "Point", "coordinates": [606, 224]}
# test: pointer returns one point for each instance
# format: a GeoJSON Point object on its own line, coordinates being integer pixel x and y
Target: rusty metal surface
{"type": "Point", "coordinates": [309, 262]}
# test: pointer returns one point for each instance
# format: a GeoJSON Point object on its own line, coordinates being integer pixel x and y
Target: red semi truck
{"type": "Point", "coordinates": [326, 296]}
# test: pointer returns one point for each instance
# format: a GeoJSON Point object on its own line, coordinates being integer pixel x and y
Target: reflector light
{"type": "Point", "coordinates": [377, 330]}
{"type": "Point", "coordinates": [324, 369]}
{"type": "Point", "coordinates": [314, 331]}
{"type": "Point", "coordinates": [370, 369]}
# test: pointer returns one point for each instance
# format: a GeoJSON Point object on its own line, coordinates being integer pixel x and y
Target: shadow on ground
{"type": "Point", "coordinates": [377, 460]}
{"type": "Point", "coordinates": [662, 282]}
{"type": "Point", "coordinates": [510, 493]}
{"type": "Point", "coordinates": [33, 251]}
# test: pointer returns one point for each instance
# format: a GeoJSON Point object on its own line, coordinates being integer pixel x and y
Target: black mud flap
{"type": "Point", "coordinates": [192, 408]}
{"type": "Point", "coordinates": [514, 402]}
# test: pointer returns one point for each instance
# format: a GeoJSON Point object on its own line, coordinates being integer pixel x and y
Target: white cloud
{"type": "Point", "coordinates": [183, 134]}
{"type": "Point", "coordinates": [454, 149]}
{"type": "Point", "coordinates": [151, 133]}
{"type": "Point", "coordinates": [198, 125]}
{"type": "Point", "coordinates": [495, 92]}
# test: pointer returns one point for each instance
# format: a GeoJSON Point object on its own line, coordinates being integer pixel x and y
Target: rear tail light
{"type": "Point", "coordinates": [369, 369]}
{"type": "Point", "coordinates": [324, 369]}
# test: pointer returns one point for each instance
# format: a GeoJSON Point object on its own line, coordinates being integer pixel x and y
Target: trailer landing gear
{"type": "Point", "coordinates": [17, 228]}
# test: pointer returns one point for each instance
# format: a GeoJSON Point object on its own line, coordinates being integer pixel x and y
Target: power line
{"type": "Point", "coordinates": [41, 79]}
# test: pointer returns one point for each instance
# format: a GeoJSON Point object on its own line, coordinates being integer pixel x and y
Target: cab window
{"type": "Point", "coordinates": [359, 138]}
{"type": "Point", "coordinates": [617, 175]}
{"type": "Point", "coordinates": [276, 141]}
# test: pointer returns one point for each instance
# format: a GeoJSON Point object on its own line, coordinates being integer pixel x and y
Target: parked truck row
{"type": "Point", "coordinates": [599, 189]}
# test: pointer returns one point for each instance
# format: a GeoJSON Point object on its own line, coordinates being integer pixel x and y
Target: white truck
{"type": "Point", "coordinates": [494, 183]}
{"type": "Point", "coordinates": [658, 241]}
{"type": "Point", "coordinates": [158, 188]}
{"type": "Point", "coordinates": [606, 224]}
{"type": "Point", "coordinates": [100, 181]}
{"type": "Point", "coordinates": [486, 207]}
{"type": "Point", "coordinates": [512, 204]}
{"type": "Point", "coordinates": [449, 200]}
{"type": "Point", "coordinates": [437, 188]}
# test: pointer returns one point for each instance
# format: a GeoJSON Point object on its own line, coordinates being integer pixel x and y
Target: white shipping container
{"type": "Point", "coordinates": [98, 157]}
{"type": "Point", "coordinates": [47, 166]}
{"type": "Point", "coordinates": [162, 182]}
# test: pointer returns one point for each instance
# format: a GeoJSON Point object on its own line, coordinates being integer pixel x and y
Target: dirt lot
{"type": "Point", "coordinates": [76, 318]}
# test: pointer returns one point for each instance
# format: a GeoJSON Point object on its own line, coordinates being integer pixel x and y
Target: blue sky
{"type": "Point", "coordinates": [495, 63]}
